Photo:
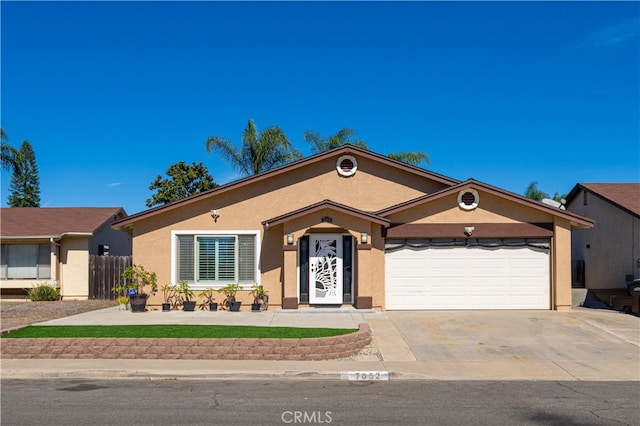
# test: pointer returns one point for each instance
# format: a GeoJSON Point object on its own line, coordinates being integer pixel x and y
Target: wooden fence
{"type": "Point", "coordinates": [105, 272]}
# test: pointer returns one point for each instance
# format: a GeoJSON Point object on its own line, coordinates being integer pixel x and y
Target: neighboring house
{"type": "Point", "coordinates": [350, 226]}
{"type": "Point", "coordinates": [53, 245]}
{"type": "Point", "coordinates": [607, 256]}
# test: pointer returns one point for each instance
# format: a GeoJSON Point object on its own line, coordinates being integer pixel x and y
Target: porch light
{"type": "Point", "coordinates": [289, 239]}
{"type": "Point", "coordinates": [364, 238]}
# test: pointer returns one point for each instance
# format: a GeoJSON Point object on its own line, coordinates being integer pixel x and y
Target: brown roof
{"type": "Point", "coordinates": [624, 195]}
{"type": "Point", "coordinates": [53, 222]}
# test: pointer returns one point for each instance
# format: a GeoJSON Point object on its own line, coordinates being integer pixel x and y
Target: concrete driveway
{"type": "Point", "coordinates": [542, 335]}
{"type": "Point", "coordinates": [583, 344]}
{"type": "Point", "coordinates": [583, 338]}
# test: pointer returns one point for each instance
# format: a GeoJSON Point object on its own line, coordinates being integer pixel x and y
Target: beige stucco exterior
{"type": "Point", "coordinates": [74, 268]}
{"type": "Point", "coordinates": [611, 249]}
{"type": "Point", "coordinates": [290, 201]}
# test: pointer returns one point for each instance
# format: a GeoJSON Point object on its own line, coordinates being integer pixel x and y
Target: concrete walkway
{"type": "Point", "coordinates": [453, 345]}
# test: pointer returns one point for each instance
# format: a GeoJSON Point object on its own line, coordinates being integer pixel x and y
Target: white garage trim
{"type": "Point", "coordinates": [491, 274]}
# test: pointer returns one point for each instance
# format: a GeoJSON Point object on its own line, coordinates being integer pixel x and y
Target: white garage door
{"type": "Point", "coordinates": [467, 278]}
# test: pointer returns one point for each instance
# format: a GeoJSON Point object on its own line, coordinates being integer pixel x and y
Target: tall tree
{"type": "Point", "coordinates": [534, 193]}
{"type": "Point", "coordinates": [345, 136]}
{"type": "Point", "coordinates": [184, 180]}
{"type": "Point", "coordinates": [24, 186]}
{"type": "Point", "coordinates": [259, 152]}
{"type": "Point", "coordinates": [411, 157]}
{"type": "Point", "coordinates": [7, 152]}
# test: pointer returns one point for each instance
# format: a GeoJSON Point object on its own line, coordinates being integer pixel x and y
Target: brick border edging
{"type": "Point", "coordinates": [321, 348]}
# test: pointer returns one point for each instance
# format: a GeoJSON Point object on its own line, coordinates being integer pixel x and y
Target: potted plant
{"type": "Point", "coordinates": [186, 294]}
{"type": "Point", "coordinates": [123, 301]}
{"type": "Point", "coordinates": [169, 293]}
{"type": "Point", "coordinates": [260, 298]}
{"type": "Point", "coordinates": [139, 281]}
{"type": "Point", "coordinates": [230, 302]}
{"type": "Point", "coordinates": [207, 295]}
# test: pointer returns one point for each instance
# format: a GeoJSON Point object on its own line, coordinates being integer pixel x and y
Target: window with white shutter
{"type": "Point", "coordinates": [212, 259]}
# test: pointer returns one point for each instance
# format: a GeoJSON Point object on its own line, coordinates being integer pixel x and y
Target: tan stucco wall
{"type": "Point", "coordinates": [611, 248]}
{"type": "Point", "coordinates": [248, 207]}
{"type": "Point", "coordinates": [74, 268]}
{"type": "Point", "coordinates": [491, 209]}
{"type": "Point", "coordinates": [561, 266]}
{"type": "Point", "coordinates": [372, 188]}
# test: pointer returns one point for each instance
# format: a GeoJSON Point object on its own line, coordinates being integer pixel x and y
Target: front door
{"type": "Point", "coordinates": [325, 269]}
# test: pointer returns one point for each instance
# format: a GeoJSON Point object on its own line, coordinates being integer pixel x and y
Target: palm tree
{"type": "Point", "coordinates": [259, 151]}
{"type": "Point", "coordinates": [414, 158]}
{"type": "Point", "coordinates": [534, 193]}
{"type": "Point", "coordinates": [343, 137]}
{"type": "Point", "coordinates": [7, 153]}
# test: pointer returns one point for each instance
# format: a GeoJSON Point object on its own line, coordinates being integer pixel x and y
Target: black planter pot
{"type": "Point", "coordinates": [138, 302]}
{"type": "Point", "coordinates": [213, 306]}
{"type": "Point", "coordinates": [235, 306]}
{"type": "Point", "coordinates": [189, 306]}
{"type": "Point", "coordinates": [255, 307]}
{"type": "Point", "coordinates": [166, 307]}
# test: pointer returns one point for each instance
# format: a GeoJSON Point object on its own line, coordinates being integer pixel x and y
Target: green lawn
{"type": "Point", "coordinates": [180, 331]}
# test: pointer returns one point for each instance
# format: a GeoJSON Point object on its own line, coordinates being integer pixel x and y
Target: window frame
{"type": "Point", "coordinates": [41, 253]}
{"type": "Point", "coordinates": [202, 285]}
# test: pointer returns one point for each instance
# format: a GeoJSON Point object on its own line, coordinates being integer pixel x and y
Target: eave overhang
{"type": "Point", "coordinates": [576, 221]}
{"type": "Point", "coordinates": [480, 230]}
{"type": "Point", "coordinates": [322, 205]}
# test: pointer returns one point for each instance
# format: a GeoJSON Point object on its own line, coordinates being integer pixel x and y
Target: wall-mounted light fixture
{"type": "Point", "coordinates": [289, 239]}
{"type": "Point", "coordinates": [364, 238]}
{"type": "Point", "coordinates": [215, 214]}
{"type": "Point", "coordinates": [468, 230]}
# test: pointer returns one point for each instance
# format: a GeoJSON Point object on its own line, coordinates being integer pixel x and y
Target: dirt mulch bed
{"type": "Point", "coordinates": [14, 314]}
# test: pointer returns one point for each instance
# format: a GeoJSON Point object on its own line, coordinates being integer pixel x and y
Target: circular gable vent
{"type": "Point", "coordinates": [468, 199]}
{"type": "Point", "coordinates": [347, 165]}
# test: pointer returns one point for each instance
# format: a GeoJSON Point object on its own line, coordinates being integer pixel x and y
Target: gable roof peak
{"type": "Point", "coordinates": [625, 196]}
{"type": "Point", "coordinates": [503, 193]}
{"type": "Point", "coordinates": [304, 162]}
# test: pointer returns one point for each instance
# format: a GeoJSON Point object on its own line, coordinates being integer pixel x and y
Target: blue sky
{"type": "Point", "coordinates": [110, 94]}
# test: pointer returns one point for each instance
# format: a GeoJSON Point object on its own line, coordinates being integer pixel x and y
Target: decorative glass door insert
{"type": "Point", "coordinates": [325, 269]}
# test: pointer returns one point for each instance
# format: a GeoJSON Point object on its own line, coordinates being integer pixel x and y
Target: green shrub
{"type": "Point", "coordinates": [43, 292]}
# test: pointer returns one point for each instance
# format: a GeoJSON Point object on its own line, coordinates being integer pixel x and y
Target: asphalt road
{"type": "Point", "coordinates": [183, 402]}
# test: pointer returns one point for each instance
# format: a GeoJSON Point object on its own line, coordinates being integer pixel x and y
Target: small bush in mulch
{"type": "Point", "coordinates": [43, 293]}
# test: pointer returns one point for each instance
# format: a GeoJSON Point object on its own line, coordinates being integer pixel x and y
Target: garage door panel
{"type": "Point", "coordinates": [467, 278]}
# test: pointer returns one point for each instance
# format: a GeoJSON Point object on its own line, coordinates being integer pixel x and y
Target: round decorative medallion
{"type": "Point", "coordinates": [346, 165]}
{"type": "Point", "coordinates": [468, 199]}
